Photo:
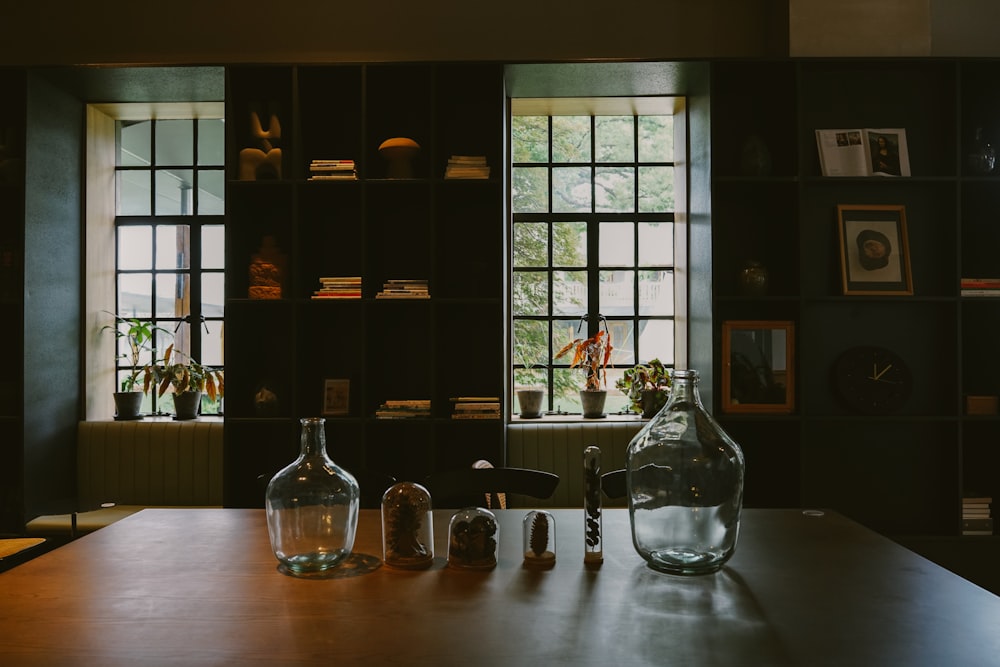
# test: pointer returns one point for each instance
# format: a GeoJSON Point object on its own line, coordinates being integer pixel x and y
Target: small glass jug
{"type": "Point", "coordinates": [312, 507]}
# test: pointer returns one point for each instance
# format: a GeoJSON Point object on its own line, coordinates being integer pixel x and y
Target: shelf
{"type": "Point", "coordinates": [902, 473]}
{"type": "Point", "coordinates": [378, 228]}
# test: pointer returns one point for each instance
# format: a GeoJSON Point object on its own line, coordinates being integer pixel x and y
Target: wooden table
{"type": "Point", "coordinates": [200, 586]}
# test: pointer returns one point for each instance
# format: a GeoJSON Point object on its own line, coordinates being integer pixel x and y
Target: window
{"type": "Point", "coordinates": [593, 238]}
{"type": "Point", "coordinates": [170, 237]}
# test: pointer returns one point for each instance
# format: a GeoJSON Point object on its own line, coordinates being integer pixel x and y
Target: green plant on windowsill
{"type": "Point", "coordinates": [647, 387]}
{"type": "Point", "coordinates": [183, 376]}
{"type": "Point", "coordinates": [138, 335]}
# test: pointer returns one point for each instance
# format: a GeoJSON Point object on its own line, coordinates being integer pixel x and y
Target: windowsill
{"type": "Point", "coordinates": [562, 419]}
{"type": "Point", "coordinates": [155, 419]}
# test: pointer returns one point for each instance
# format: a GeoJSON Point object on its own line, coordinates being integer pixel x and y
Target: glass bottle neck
{"type": "Point", "coordinates": [684, 386]}
{"type": "Point", "coordinates": [313, 439]}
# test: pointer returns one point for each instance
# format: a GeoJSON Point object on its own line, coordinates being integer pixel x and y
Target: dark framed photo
{"type": "Point", "coordinates": [874, 249]}
{"type": "Point", "coordinates": [758, 374]}
{"type": "Point", "coordinates": [336, 395]}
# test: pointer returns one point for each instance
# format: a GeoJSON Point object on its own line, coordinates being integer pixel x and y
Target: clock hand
{"type": "Point", "coordinates": [878, 376]}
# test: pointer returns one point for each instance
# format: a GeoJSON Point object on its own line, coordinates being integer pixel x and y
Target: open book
{"type": "Point", "coordinates": [863, 152]}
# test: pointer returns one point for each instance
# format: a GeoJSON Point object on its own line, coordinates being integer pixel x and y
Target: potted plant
{"type": "Point", "coordinates": [647, 387]}
{"type": "Point", "coordinates": [529, 383]}
{"type": "Point", "coordinates": [138, 335]}
{"type": "Point", "coordinates": [189, 380]}
{"type": "Point", "coordinates": [591, 355]}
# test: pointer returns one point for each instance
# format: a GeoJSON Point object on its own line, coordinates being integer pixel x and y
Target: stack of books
{"type": "Point", "coordinates": [977, 515]}
{"type": "Point", "coordinates": [467, 166]}
{"type": "Point", "coordinates": [404, 288]}
{"type": "Point", "coordinates": [476, 407]}
{"type": "Point", "coordinates": [980, 286]}
{"type": "Point", "coordinates": [339, 287]}
{"type": "Point", "coordinates": [404, 409]}
{"type": "Point", "coordinates": [332, 170]}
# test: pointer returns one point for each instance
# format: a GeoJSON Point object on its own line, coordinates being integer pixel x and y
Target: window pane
{"type": "Point", "coordinates": [529, 189]}
{"type": "Point", "coordinates": [530, 138]}
{"type": "Point", "coordinates": [616, 400]}
{"type": "Point", "coordinates": [656, 293]}
{"type": "Point", "coordinates": [135, 247]}
{"type": "Point", "coordinates": [173, 247]}
{"type": "Point", "coordinates": [569, 292]}
{"type": "Point", "coordinates": [134, 144]}
{"type": "Point", "coordinates": [173, 295]}
{"type": "Point", "coordinates": [132, 192]}
{"type": "Point", "coordinates": [656, 244]}
{"type": "Point", "coordinates": [531, 342]}
{"type": "Point", "coordinates": [656, 139]}
{"type": "Point", "coordinates": [614, 189]}
{"type": "Point", "coordinates": [531, 244]}
{"type": "Point", "coordinates": [622, 341]}
{"type": "Point", "coordinates": [615, 139]}
{"type": "Point", "coordinates": [174, 142]}
{"type": "Point", "coordinates": [571, 139]}
{"type": "Point", "coordinates": [617, 244]}
{"type": "Point", "coordinates": [182, 341]}
{"type": "Point", "coordinates": [211, 343]}
{"type": "Point", "coordinates": [656, 340]}
{"type": "Point", "coordinates": [617, 291]}
{"type": "Point", "coordinates": [211, 141]}
{"type": "Point", "coordinates": [211, 192]}
{"type": "Point", "coordinates": [531, 293]}
{"type": "Point", "coordinates": [174, 192]}
{"type": "Point", "coordinates": [571, 189]}
{"type": "Point", "coordinates": [656, 189]}
{"type": "Point", "coordinates": [212, 294]}
{"type": "Point", "coordinates": [135, 294]}
{"type": "Point", "coordinates": [568, 383]}
{"type": "Point", "coordinates": [213, 247]}
{"type": "Point", "coordinates": [569, 244]}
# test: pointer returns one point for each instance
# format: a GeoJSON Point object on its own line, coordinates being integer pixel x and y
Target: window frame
{"type": "Point", "coordinates": [101, 262]}
{"type": "Point", "coordinates": [593, 319]}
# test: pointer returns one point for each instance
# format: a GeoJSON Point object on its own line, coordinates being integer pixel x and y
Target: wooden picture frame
{"type": "Point", "coordinates": [874, 249]}
{"type": "Point", "coordinates": [758, 366]}
{"type": "Point", "coordinates": [336, 397]}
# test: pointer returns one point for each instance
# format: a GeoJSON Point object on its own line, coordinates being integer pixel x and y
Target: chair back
{"type": "Point", "coordinates": [613, 484]}
{"type": "Point", "coordinates": [465, 487]}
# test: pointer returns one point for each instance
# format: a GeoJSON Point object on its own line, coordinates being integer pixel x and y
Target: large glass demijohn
{"type": "Point", "coordinates": [684, 476]}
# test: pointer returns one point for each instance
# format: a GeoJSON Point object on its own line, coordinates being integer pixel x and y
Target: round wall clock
{"type": "Point", "coordinates": [872, 380]}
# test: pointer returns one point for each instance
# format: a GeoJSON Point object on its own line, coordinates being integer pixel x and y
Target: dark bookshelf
{"type": "Point", "coordinates": [447, 232]}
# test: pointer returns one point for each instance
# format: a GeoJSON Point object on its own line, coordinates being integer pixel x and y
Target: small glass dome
{"type": "Point", "coordinates": [473, 539]}
{"type": "Point", "coordinates": [539, 528]}
{"type": "Point", "coordinates": [407, 527]}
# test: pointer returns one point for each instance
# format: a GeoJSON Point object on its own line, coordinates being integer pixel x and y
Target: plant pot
{"type": "Point", "coordinates": [127, 405]}
{"type": "Point", "coordinates": [593, 403]}
{"type": "Point", "coordinates": [530, 402]}
{"type": "Point", "coordinates": [187, 405]}
{"type": "Point", "coordinates": [652, 402]}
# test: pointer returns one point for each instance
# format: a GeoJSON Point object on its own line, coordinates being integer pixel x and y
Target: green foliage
{"type": "Point", "coordinates": [138, 335]}
{"type": "Point", "coordinates": [643, 377]}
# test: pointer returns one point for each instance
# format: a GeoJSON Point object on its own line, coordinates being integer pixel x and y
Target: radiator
{"type": "Point", "coordinates": [558, 448]}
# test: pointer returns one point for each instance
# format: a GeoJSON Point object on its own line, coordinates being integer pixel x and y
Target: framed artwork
{"type": "Point", "coordinates": [874, 250]}
{"type": "Point", "coordinates": [335, 397]}
{"type": "Point", "coordinates": [758, 372]}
